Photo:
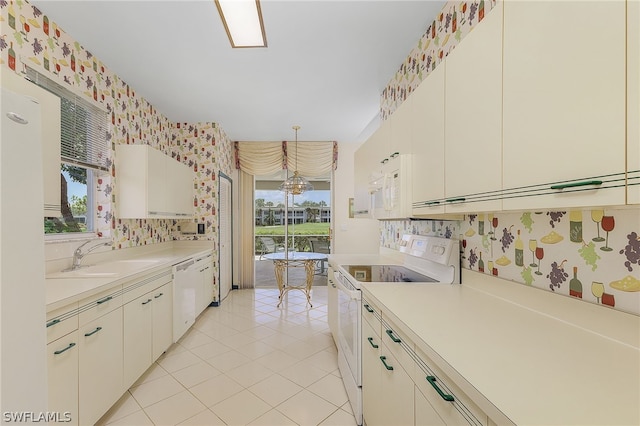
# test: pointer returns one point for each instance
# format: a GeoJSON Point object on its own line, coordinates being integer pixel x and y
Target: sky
{"type": "Point", "coordinates": [278, 197]}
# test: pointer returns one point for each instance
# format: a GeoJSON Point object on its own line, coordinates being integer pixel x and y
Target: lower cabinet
{"type": "Point", "coordinates": [100, 366]}
{"type": "Point", "coordinates": [401, 385]}
{"type": "Point", "coordinates": [162, 329]}
{"type": "Point", "coordinates": [206, 295]}
{"type": "Point", "coordinates": [148, 329]}
{"type": "Point", "coordinates": [62, 375]}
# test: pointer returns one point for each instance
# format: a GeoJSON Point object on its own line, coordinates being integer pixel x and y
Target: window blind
{"type": "Point", "coordinates": [84, 126]}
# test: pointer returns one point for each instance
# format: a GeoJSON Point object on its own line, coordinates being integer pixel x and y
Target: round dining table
{"type": "Point", "coordinates": [295, 259]}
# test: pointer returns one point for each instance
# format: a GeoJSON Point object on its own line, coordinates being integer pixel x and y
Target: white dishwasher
{"type": "Point", "coordinates": [186, 283]}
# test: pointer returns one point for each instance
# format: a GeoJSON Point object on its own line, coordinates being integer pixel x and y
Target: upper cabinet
{"type": "Point", "coordinates": [564, 104]}
{"type": "Point", "coordinates": [427, 145]}
{"type": "Point", "coordinates": [152, 185]}
{"type": "Point", "coordinates": [473, 119]}
{"type": "Point", "coordinates": [51, 134]}
{"type": "Point", "coordinates": [400, 128]}
{"type": "Point", "coordinates": [633, 101]}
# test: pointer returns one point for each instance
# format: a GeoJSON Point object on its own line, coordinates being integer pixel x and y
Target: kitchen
{"type": "Point", "coordinates": [508, 206]}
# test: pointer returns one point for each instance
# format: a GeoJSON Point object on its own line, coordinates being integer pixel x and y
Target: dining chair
{"type": "Point", "coordinates": [269, 246]}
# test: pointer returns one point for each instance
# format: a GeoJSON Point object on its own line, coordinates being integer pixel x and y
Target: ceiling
{"type": "Point", "coordinates": [324, 69]}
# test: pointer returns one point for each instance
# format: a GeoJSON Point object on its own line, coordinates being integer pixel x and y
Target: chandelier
{"type": "Point", "coordinates": [296, 184]}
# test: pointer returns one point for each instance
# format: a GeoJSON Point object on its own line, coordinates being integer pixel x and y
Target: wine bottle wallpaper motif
{"type": "Point", "coordinates": [519, 249]}
{"type": "Point", "coordinates": [575, 286]}
{"type": "Point", "coordinates": [575, 226]}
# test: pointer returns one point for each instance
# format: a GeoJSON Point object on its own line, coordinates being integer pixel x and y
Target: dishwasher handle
{"type": "Point", "coordinates": [184, 265]}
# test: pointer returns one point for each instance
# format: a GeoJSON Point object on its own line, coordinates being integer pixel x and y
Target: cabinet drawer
{"type": "Point", "coordinates": [396, 342]}
{"type": "Point", "coordinates": [61, 322]}
{"type": "Point", "coordinates": [372, 315]}
{"type": "Point", "coordinates": [449, 401]}
{"type": "Point", "coordinates": [102, 303]}
{"type": "Point", "coordinates": [138, 287]}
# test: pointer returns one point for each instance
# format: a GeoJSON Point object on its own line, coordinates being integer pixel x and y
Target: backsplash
{"type": "Point", "coordinates": [29, 38]}
{"type": "Point", "coordinates": [593, 255]}
{"type": "Point", "coordinates": [455, 20]}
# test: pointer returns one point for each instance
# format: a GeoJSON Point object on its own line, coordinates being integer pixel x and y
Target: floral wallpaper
{"type": "Point", "coordinates": [30, 38]}
{"type": "Point", "coordinates": [592, 255]}
{"type": "Point", "coordinates": [456, 19]}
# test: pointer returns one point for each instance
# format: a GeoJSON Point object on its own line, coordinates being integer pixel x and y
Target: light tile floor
{"type": "Point", "coordinates": [245, 362]}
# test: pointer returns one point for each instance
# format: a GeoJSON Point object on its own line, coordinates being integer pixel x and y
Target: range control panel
{"type": "Point", "coordinates": [435, 249]}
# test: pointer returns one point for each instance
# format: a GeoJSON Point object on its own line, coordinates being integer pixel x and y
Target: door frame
{"type": "Point", "coordinates": [221, 176]}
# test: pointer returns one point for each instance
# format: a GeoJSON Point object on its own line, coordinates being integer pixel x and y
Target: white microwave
{"type": "Point", "coordinates": [391, 191]}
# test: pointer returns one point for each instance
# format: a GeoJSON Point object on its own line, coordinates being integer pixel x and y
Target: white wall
{"type": "Point", "coordinates": [350, 235]}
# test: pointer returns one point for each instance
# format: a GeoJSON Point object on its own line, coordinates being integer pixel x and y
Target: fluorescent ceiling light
{"type": "Point", "coordinates": [242, 20]}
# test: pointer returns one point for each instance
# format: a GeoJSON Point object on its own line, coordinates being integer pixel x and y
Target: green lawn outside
{"type": "Point", "coordinates": [300, 229]}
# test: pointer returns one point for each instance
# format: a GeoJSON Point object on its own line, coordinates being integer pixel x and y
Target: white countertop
{"type": "Point", "coordinates": [539, 358]}
{"type": "Point", "coordinates": [63, 291]}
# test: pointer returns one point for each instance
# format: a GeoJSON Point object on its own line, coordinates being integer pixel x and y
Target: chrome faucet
{"type": "Point", "coordinates": [78, 254]}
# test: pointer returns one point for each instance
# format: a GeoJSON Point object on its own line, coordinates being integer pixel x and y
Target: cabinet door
{"type": "Point", "coordinates": [138, 337]}
{"type": "Point", "coordinates": [400, 128]}
{"type": "Point", "coordinates": [427, 145]}
{"type": "Point", "coordinates": [180, 187]}
{"type": "Point", "coordinates": [397, 391]}
{"type": "Point", "coordinates": [156, 184]}
{"type": "Point", "coordinates": [372, 402]}
{"type": "Point", "coordinates": [564, 103]}
{"type": "Point", "coordinates": [425, 413]}
{"type": "Point", "coordinates": [100, 366]}
{"type": "Point", "coordinates": [62, 375]}
{"type": "Point", "coordinates": [361, 165]}
{"type": "Point", "coordinates": [633, 101]}
{"type": "Point", "coordinates": [473, 119]}
{"type": "Point", "coordinates": [162, 319]}
{"type": "Point", "coordinates": [206, 272]}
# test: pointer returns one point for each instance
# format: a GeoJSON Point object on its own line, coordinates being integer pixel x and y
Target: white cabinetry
{"type": "Point", "coordinates": [401, 384]}
{"type": "Point", "coordinates": [564, 104]}
{"type": "Point", "coordinates": [62, 376]}
{"type": "Point", "coordinates": [147, 323]}
{"type": "Point", "coordinates": [162, 319]}
{"type": "Point", "coordinates": [633, 101]}
{"type": "Point", "coordinates": [427, 145]}
{"type": "Point", "coordinates": [473, 119]}
{"type": "Point", "coordinates": [50, 124]}
{"type": "Point", "coordinates": [151, 184]}
{"type": "Point", "coordinates": [206, 288]}
{"type": "Point", "coordinates": [100, 366]}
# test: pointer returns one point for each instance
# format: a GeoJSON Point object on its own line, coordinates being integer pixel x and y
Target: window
{"type": "Point", "coordinates": [84, 154]}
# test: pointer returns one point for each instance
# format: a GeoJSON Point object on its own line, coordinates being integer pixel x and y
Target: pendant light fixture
{"type": "Point", "coordinates": [296, 184]}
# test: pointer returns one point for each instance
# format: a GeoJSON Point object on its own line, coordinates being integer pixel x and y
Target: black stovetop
{"type": "Point", "coordinates": [385, 273]}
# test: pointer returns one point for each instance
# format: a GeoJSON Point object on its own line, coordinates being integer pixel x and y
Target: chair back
{"type": "Point", "coordinates": [319, 246]}
{"type": "Point", "coordinates": [269, 244]}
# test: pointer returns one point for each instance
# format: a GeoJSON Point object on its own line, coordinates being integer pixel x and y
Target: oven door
{"type": "Point", "coordinates": [349, 310]}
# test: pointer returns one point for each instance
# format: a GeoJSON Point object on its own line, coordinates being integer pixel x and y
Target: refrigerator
{"type": "Point", "coordinates": [23, 375]}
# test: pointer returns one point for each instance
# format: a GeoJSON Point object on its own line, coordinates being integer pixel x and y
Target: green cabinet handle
{"type": "Point", "coordinates": [368, 308]}
{"type": "Point", "coordinates": [384, 361]}
{"type": "Point", "coordinates": [385, 161]}
{"type": "Point", "coordinates": [453, 200]}
{"type": "Point", "coordinates": [395, 154]}
{"type": "Point", "coordinates": [432, 203]}
{"type": "Point", "coordinates": [106, 299]}
{"type": "Point", "coordinates": [446, 397]}
{"type": "Point", "coordinates": [92, 332]}
{"type": "Point", "coordinates": [373, 345]}
{"type": "Point", "coordinates": [54, 322]}
{"type": "Point", "coordinates": [159, 295]}
{"type": "Point", "coordinates": [148, 300]}
{"type": "Point", "coordinates": [394, 338]}
{"type": "Point", "coordinates": [575, 184]}
{"type": "Point", "coordinates": [58, 352]}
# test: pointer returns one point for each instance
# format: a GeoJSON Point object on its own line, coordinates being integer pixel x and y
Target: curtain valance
{"type": "Point", "coordinates": [314, 159]}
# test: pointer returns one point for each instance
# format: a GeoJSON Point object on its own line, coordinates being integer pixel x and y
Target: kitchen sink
{"type": "Point", "coordinates": [106, 270]}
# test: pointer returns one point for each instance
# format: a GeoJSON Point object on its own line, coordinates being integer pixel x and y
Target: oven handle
{"type": "Point", "coordinates": [353, 294]}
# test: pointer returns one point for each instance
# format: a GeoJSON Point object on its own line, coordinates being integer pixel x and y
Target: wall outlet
{"type": "Point", "coordinates": [201, 228]}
